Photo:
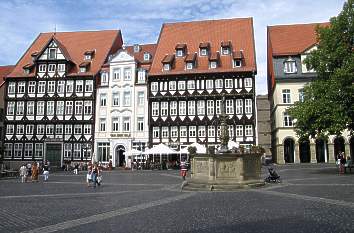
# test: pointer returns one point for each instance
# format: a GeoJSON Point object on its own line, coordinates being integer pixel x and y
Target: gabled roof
{"type": "Point", "coordinates": [289, 40]}
{"type": "Point", "coordinates": [74, 45]}
{"type": "Point", "coordinates": [4, 71]}
{"type": "Point", "coordinates": [238, 31]}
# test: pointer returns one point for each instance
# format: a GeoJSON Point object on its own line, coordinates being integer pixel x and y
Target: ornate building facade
{"type": "Point", "coordinates": [121, 107]}
{"type": "Point", "coordinates": [50, 97]}
{"type": "Point", "coordinates": [288, 46]}
{"type": "Point", "coordinates": [195, 65]}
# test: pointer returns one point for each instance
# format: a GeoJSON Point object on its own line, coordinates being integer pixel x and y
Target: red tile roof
{"type": "Point", "coordinates": [4, 71]}
{"type": "Point", "coordinates": [75, 44]}
{"type": "Point", "coordinates": [139, 56]}
{"type": "Point", "coordinates": [238, 31]}
{"type": "Point", "coordinates": [286, 40]}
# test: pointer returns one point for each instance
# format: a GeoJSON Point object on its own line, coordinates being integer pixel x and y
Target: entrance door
{"type": "Point", "coordinates": [304, 149]}
{"type": "Point", "coordinates": [289, 150]}
{"type": "Point", "coordinates": [321, 150]}
{"type": "Point", "coordinates": [120, 156]}
{"type": "Point", "coordinates": [53, 154]}
{"type": "Point", "coordinates": [339, 146]}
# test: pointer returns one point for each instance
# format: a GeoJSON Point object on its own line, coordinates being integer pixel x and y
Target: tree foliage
{"type": "Point", "coordinates": [327, 108]}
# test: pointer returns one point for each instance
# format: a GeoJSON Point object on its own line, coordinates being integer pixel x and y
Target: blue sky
{"type": "Point", "coordinates": [140, 21]}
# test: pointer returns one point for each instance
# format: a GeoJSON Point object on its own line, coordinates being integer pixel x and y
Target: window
{"type": "Point", "coordinates": [51, 86]}
{"type": "Point", "coordinates": [20, 108]}
{"type": "Point", "coordinates": [301, 95]}
{"type": "Point", "coordinates": [166, 66]}
{"type": "Point", "coordinates": [140, 121]}
{"type": "Point", "coordinates": [87, 129]}
{"type": "Point", "coordinates": [239, 130]}
{"type": "Point", "coordinates": [239, 106]}
{"type": "Point", "coordinates": [191, 85]}
{"type": "Point", "coordinates": [59, 129]}
{"type": "Point", "coordinates": [210, 107]}
{"type": "Point", "coordinates": [68, 129]}
{"type": "Point", "coordinates": [248, 106]}
{"type": "Point", "coordinates": [172, 85]}
{"type": "Point", "coordinates": [8, 150]}
{"type": "Point", "coordinates": [164, 108]}
{"type": "Point", "coordinates": [40, 129]}
{"type": "Point", "coordinates": [290, 66]}
{"type": "Point", "coordinates": [52, 53]}
{"type": "Point", "coordinates": [155, 132]}
{"type": "Point", "coordinates": [211, 131]}
{"type": "Point", "coordinates": [18, 150]}
{"type": "Point", "coordinates": [69, 108]}
{"type": "Point", "coordinates": [61, 87]}
{"type": "Point", "coordinates": [102, 124]}
{"type": "Point", "coordinates": [20, 129]}
{"type": "Point", "coordinates": [78, 107]}
{"type": "Point", "coordinates": [217, 106]}
{"type": "Point", "coordinates": [41, 87]}
{"type": "Point", "coordinates": [28, 150]}
{"type": "Point", "coordinates": [126, 98]}
{"type": "Point", "coordinates": [155, 109]}
{"type": "Point", "coordinates": [173, 108]}
{"type": "Point", "coordinates": [31, 87]}
{"type": "Point", "coordinates": [174, 132]}
{"type": "Point", "coordinates": [181, 85]}
{"type": "Point", "coordinates": [89, 86]}
{"type": "Point", "coordinates": [164, 132]}
{"type": "Point", "coordinates": [225, 50]}
{"type": "Point", "coordinates": [82, 69]}
{"type": "Point", "coordinates": [183, 131]}
{"type": "Point", "coordinates": [87, 56]}
{"type": "Point", "coordinates": [213, 64]}
{"type": "Point", "coordinates": [116, 74]}
{"type": "Point", "coordinates": [287, 120]}
{"type": "Point", "coordinates": [248, 130]}
{"type": "Point", "coordinates": [69, 86]}
{"type": "Point", "coordinates": [248, 82]}
{"type": "Point", "coordinates": [182, 108]}
{"type": "Point", "coordinates": [286, 96]}
{"type": "Point", "coordinates": [209, 84]}
{"type": "Point", "coordinates": [229, 107]}
{"type": "Point", "coordinates": [61, 67]}
{"type": "Point", "coordinates": [21, 87]}
{"type": "Point", "coordinates": [192, 131]}
{"type": "Point", "coordinates": [60, 108]}
{"type": "Point", "coordinates": [201, 131]}
{"type": "Point", "coordinates": [126, 124]}
{"type": "Point", "coordinates": [51, 68]}
{"type": "Point", "coordinates": [67, 150]}
{"type": "Point", "coordinates": [219, 83]}
{"type": "Point", "coordinates": [229, 83]}
{"type": "Point", "coordinates": [38, 150]}
{"type": "Point", "coordinates": [203, 52]}
{"type": "Point", "coordinates": [115, 124]}
{"type": "Point", "coordinates": [42, 67]}
{"type": "Point", "coordinates": [50, 108]}
{"type": "Point", "coordinates": [77, 129]}
{"type": "Point", "coordinates": [146, 56]}
{"type": "Point", "coordinates": [104, 78]}
{"type": "Point", "coordinates": [154, 86]}
{"type": "Point", "coordinates": [50, 129]}
{"type": "Point", "coordinates": [10, 129]}
{"type": "Point", "coordinates": [103, 100]}
{"type": "Point", "coordinates": [127, 74]}
{"type": "Point", "coordinates": [141, 76]}
{"type": "Point", "coordinates": [12, 87]}
{"type": "Point", "coordinates": [189, 65]}
{"type": "Point", "coordinates": [191, 108]}
{"type": "Point", "coordinates": [141, 98]}
{"type": "Point", "coordinates": [240, 83]}
{"type": "Point", "coordinates": [201, 107]}
{"type": "Point", "coordinates": [79, 86]}
{"type": "Point", "coordinates": [77, 150]}
{"type": "Point", "coordinates": [179, 52]}
{"type": "Point", "coordinates": [231, 131]}
{"type": "Point", "coordinates": [237, 63]}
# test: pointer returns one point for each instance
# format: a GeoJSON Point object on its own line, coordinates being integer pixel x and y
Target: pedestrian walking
{"type": "Point", "coordinates": [76, 168]}
{"type": "Point", "coordinates": [184, 169]}
{"type": "Point", "coordinates": [35, 172]}
{"type": "Point", "coordinates": [343, 161]}
{"type": "Point", "coordinates": [46, 171]}
{"type": "Point", "coordinates": [23, 173]}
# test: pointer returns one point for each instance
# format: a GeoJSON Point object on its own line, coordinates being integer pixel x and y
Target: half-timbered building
{"type": "Point", "coordinates": [195, 65]}
{"type": "Point", "coordinates": [50, 97]}
{"type": "Point", "coordinates": [121, 107]}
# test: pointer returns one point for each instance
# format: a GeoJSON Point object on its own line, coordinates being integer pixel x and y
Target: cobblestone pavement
{"type": "Point", "coordinates": [311, 198]}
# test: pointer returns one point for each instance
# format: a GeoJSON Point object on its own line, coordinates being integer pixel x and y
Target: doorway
{"type": "Point", "coordinates": [120, 156]}
{"type": "Point", "coordinates": [304, 150]}
{"type": "Point", "coordinates": [321, 151]}
{"type": "Point", "coordinates": [289, 150]}
{"type": "Point", "coordinates": [339, 146]}
{"type": "Point", "coordinates": [53, 154]}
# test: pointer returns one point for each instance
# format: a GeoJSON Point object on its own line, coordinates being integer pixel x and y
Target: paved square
{"type": "Point", "coordinates": [311, 198]}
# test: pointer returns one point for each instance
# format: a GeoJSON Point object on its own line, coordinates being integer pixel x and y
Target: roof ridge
{"type": "Point", "coordinates": [104, 30]}
{"type": "Point", "coordinates": [296, 24]}
{"type": "Point", "coordinates": [208, 20]}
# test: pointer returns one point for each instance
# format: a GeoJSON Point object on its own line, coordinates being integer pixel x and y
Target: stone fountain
{"type": "Point", "coordinates": [225, 169]}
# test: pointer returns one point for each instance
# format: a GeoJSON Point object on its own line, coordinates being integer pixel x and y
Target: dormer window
{"type": "Point", "coordinates": [146, 56]}
{"type": "Point", "coordinates": [225, 47]}
{"type": "Point", "coordinates": [290, 66]}
{"type": "Point", "coordinates": [136, 48]}
{"type": "Point", "coordinates": [189, 65]}
{"type": "Point", "coordinates": [87, 57]}
{"type": "Point", "coordinates": [204, 49]}
{"type": "Point", "coordinates": [52, 53]}
{"type": "Point", "coordinates": [166, 66]}
{"type": "Point", "coordinates": [237, 59]}
{"type": "Point", "coordinates": [27, 68]}
{"type": "Point", "coordinates": [213, 64]}
{"type": "Point", "coordinates": [214, 60]}
{"type": "Point", "coordinates": [168, 62]}
{"type": "Point", "coordinates": [181, 50]}
{"type": "Point", "coordinates": [84, 67]}
{"type": "Point", "coordinates": [190, 61]}
{"type": "Point", "coordinates": [89, 54]}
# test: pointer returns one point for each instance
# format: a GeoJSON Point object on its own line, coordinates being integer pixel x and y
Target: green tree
{"type": "Point", "coordinates": [328, 108]}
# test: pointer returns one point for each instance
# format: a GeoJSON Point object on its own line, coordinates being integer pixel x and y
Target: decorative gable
{"type": "Point", "coordinates": [122, 56]}
{"type": "Point", "coordinates": [53, 50]}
